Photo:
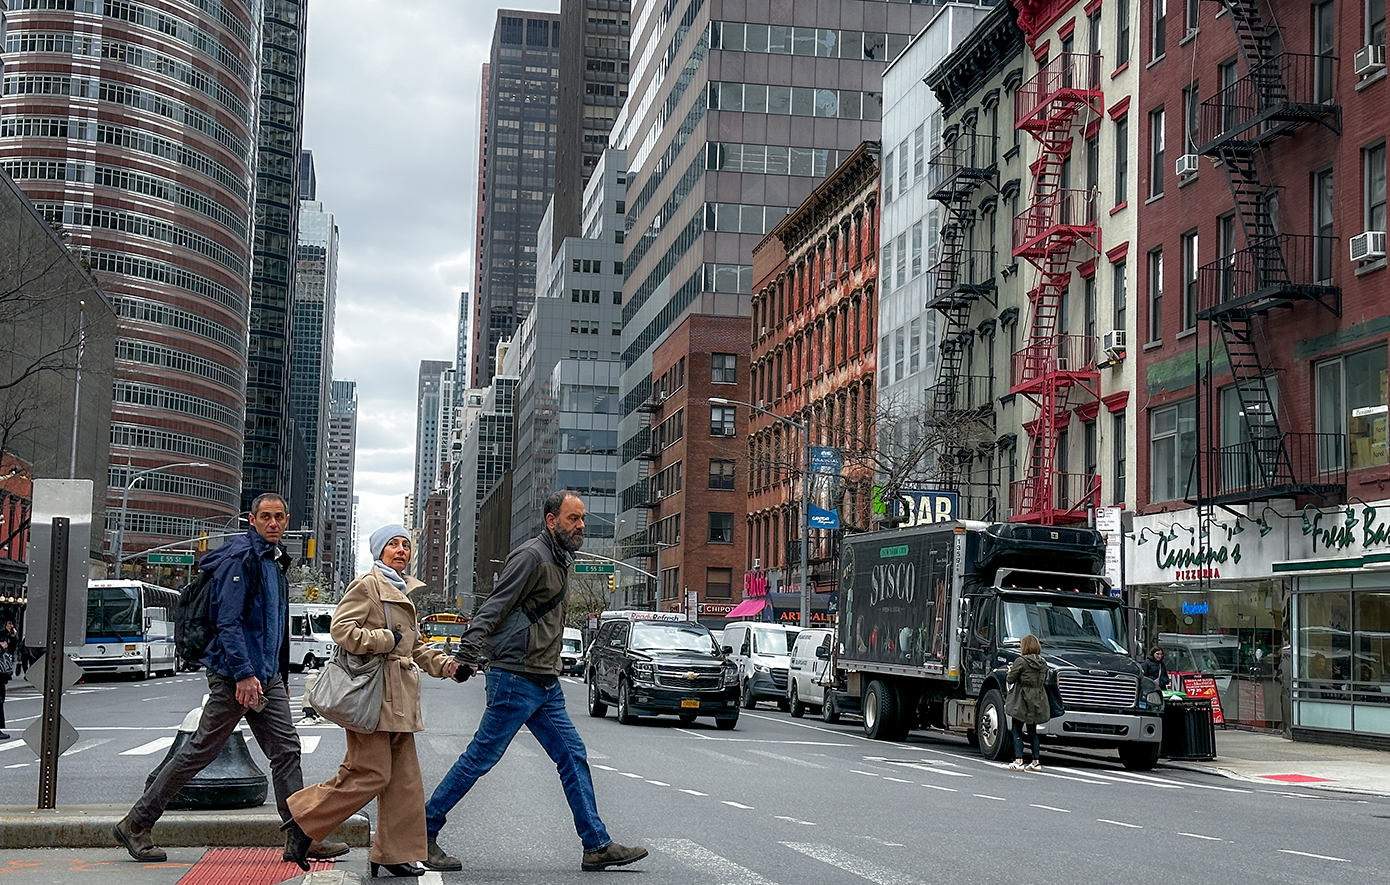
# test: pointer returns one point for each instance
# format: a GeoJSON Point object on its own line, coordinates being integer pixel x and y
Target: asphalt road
{"type": "Point", "coordinates": [781, 801]}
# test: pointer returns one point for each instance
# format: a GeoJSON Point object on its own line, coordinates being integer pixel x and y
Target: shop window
{"type": "Point", "coordinates": [1172, 450]}
{"type": "Point", "coordinates": [1352, 400]}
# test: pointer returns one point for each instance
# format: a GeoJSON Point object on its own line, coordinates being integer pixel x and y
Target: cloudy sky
{"type": "Point", "coordinates": [392, 118]}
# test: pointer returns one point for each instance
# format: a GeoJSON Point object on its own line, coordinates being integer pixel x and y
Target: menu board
{"type": "Point", "coordinates": [1204, 687]}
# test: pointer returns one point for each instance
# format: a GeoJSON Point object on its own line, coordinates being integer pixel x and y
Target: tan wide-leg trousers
{"type": "Point", "coordinates": [381, 766]}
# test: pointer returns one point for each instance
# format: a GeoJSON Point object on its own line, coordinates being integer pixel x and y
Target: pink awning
{"type": "Point", "coordinates": [747, 608]}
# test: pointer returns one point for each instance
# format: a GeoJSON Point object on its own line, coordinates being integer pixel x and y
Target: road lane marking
{"type": "Point", "coordinates": [83, 746]}
{"type": "Point", "coordinates": [918, 766]}
{"type": "Point", "coordinates": [659, 783]}
{"type": "Point", "coordinates": [882, 842]}
{"type": "Point", "coordinates": [1051, 808]}
{"type": "Point", "coordinates": [630, 774]}
{"type": "Point", "coordinates": [942, 789]}
{"type": "Point", "coordinates": [791, 760]}
{"type": "Point", "coordinates": [722, 757]}
{"type": "Point", "coordinates": [20, 765]}
{"type": "Point", "coordinates": [804, 823]}
{"type": "Point", "coordinates": [737, 805]}
{"type": "Point", "coordinates": [1200, 836]}
{"type": "Point", "coordinates": [852, 864]}
{"type": "Point", "coordinates": [1119, 823]}
{"type": "Point", "coordinates": [695, 792]}
{"type": "Point", "coordinates": [1155, 781]}
{"type": "Point", "coordinates": [1318, 856]}
{"type": "Point", "coordinates": [10, 745]}
{"type": "Point", "coordinates": [715, 869]}
{"type": "Point", "coordinates": [605, 768]}
{"type": "Point", "coordinates": [865, 773]}
{"type": "Point", "coordinates": [1067, 777]}
{"type": "Point", "coordinates": [897, 780]}
{"type": "Point", "coordinates": [154, 746]}
{"type": "Point", "coordinates": [1110, 778]}
{"type": "Point", "coordinates": [160, 697]}
{"type": "Point", "coordinates": [309, 743]}
{"type": "Point", "coordinates": [995, 798]}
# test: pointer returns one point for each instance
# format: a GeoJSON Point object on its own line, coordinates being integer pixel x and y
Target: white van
{"type": "Point", "coordinates": [809, 659]}
{"type": "Point", "coordinates": [571, 651]}
{"type": "Point", "coordinates": [311, 644]}
{"type": "Point", "coordinates": [762, 652]}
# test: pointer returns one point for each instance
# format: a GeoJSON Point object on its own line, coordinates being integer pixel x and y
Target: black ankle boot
{"type": "Point", "coordinates": [401, 870]}
{"type": "Point", "coordinates": [297, 847]}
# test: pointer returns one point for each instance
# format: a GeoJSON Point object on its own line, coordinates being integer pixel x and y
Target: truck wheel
{"type": "Point", "coordinates": [748, 700]}
{"type": "Point", "coordinates": [597, 708]}
{"type": "Point", "coordinates": [829, 710]}
{"type": "Point", "coordinates": [726, 723]}
{"type": "Point", "coordinates": [794, 705]}
{"type": "Point", "coordinates": [311, 662]}
{"type": "Point", "coordinates": [991, 727]}
{"type": "Point", "coordinates": [881, 712]}
{"type": "Point", "coordinates": [624, 710]}
{"type": "Point", "coordinates": [1139, 757]}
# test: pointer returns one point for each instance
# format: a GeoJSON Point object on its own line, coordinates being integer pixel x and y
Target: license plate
{"type": "Point", "coordinates": [690, 704]}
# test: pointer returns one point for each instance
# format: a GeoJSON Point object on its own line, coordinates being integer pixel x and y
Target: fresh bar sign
{"type": "Point", "coordinates": [594, 568]}
{"type": "Point", "coordinates": [169, 559]}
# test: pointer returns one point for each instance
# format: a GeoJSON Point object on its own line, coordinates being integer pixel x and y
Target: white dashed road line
{"type": "Point", "coordinates": [852, 864]}
{"type": "Point", "coordinates": [790, 760]}
{"type": "Point", "coordinates": [1200, 836]}
{"type": "Point", "coordinates": [1051, 808]}
{"type": "Point", "coordinates": [659, 783]}
{"type": "Point", "coordinates": [935, 787]}
{"type": "Point", "coordinates": [695, 792]}
{"type": "Point", "coordinates": [804, 823]}
{"type": "Point", "coordinates": [1118, 823]}
{"type": "Point", "coordinates": [1316, 856]}
{"type": "Point", "coordinates": [995, 798]}
{"type": "Point", "coordinates": [154, 746]}
{"type": "Point", "coordinates": [865, 773]}
{"type": "Point", "coordinates": [713, 867]}
{"type": "Point", "coordinates": [737, 805]}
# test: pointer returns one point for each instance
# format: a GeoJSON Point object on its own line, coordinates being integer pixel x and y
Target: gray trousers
{"type": "Point", "coordinates": [273, 729]}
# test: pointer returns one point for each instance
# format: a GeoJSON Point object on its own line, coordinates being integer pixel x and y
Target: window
{"type": "Point", "coordinates": [1157, 145]}
{"type": "Point", "coordinates": [1189, 280]}
{"type": "Point", "coordinates": [1088, 305]}
{"type": "Point", "coordinates": [1121, 158]}
{"type": "Point", "coordinates": [899, 351]}
{"type": "Point", "coordinates": [721, 421]}
{"type": "Point", "coordinates": [919, 154]}
{"type": "Point", "coordinates": [902, 261]}
{"type": "Point", "coordinates": [914, 346]}
{"type": "Point", "coordinates": [885, 268]}
{"type": "Point", "coordinates": [1324, 39]}
{"type": "Point", "coordinates": [1323, 245]}
{"type": "Point", "coordinates": [723, 368]}
{"type": "Point", "coordinates": [1191, 107]}
{"type": "Point", "coordinates": [902, 167]}
{"type": "Point", "coordinates": [1375, 22]}
{"type": "Point", "coordinates": [1118, 294]}
{"type": "Point", "coordinates": [1192, 18]}
{"type": "Point", "coordinates": [1226, 77]}
{"type": "Point", "coordinates": [721, 474]}
{"type": "Point", "coordinates": [719, 583]}
{"type": "Point", "coordinates": [1089, 453]}
{"type": "Point", "coordinates": [1239, 467]}
{"type": "Point", "coordinates": [1373, 172]}
{"type": "Point", "coordinates": [1172, 450]}
{"type": "Point", "coordinates": [1155, 295]}
{"type": "Point", "coordinates": [1117, 454]}
{"type": "Point", "coordinates": [721, 528]}
{"type": "Point", "coordinates": [1352, 400]}
{"type": "Point", "coordinates": [1160, 29]}
{"type": "Point", "coordinates": [888, 178]}
{"type": "Point", "coordinates": [1092, 175]}
{"type": "Point", "coordinates": [917, 245]}
{"type": "Point", "coordinates": [1121, 34]}
{"type": "Point", "coordinates": [1226, 254]}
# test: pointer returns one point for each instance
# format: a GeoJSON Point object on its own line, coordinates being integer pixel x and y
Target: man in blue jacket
{"type": "Point", "coordinates": [246, 663]}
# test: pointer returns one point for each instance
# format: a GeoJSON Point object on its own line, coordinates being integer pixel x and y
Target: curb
{"type": "Point", "coordinates": [326, 877]}
{"type": "Point", "coordinates": [89, 826]}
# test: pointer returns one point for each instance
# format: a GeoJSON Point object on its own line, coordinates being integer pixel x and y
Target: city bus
{"type": "Point", "coordinates": [443, 627]}
{"type": "Point", "coordinates": [130, 629]}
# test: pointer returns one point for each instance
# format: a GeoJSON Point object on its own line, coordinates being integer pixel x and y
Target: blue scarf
{"type": "Point", "coordinates": [391, 575]}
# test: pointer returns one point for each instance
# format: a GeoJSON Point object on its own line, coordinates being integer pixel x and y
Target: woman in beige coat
{"type": "Point", "coordinates": [381, 765]}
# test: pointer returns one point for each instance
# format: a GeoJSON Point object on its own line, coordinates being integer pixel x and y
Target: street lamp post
{"type": "Point", "coordinates": [125, 501]}
{"type": "Point", "coordinates": [805, 496]}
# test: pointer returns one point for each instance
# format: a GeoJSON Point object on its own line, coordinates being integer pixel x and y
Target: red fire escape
{"type": "Point", "coordinates": [1059, 219]}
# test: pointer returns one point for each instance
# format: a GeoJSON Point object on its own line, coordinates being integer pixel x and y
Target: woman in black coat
{"type": "Point", "coordinates": [9, 648]}
{"type": "Point", "coordinates": [1155, 669]}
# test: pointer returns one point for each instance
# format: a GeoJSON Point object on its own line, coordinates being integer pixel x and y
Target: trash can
{"type": "Point", "coordinates": [1188, 730]}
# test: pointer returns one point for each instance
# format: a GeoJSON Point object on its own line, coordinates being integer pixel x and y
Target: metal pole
{"type": "Point", "coordinates": [120, 526]}
{"type": "Point", "coordinates": [77, 385]}
{"type": "Point", "coordinates": [53, 664]}
{"type": "Point", "coordinates": [805, 527]}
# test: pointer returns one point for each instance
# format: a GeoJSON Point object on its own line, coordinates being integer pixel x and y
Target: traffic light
{"type": "Point", "coordinates": [612, 583]}
{"type": "Point", "coordinates": [203, 543]}
{"type": "Point", "coordinates": [309, 549]}
{"type": "Point", "coordinates": [311, 594]}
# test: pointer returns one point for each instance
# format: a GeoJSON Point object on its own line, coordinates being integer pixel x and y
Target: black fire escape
{"type": "Point", "coordinates": [1280, 93]}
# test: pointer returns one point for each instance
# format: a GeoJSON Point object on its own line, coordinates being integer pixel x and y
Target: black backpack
{"type": "Point", "coordinates": [194, 629]}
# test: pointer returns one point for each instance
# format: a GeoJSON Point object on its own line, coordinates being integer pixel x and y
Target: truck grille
{"type": "Point", "coordinates": [779, 677]}
{"type": "Point", "coordinates": [1114, 690]}
{"type": "Point", "coordinates": [689, 678]}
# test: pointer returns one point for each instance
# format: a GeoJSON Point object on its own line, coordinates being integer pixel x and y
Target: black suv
{"type": "Point", "coordinates": [650, 665]}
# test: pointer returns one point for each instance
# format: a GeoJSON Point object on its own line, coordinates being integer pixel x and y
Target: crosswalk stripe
{"type": "Point", "coordinates": [309, 743]}
{"type": "Point", "coordinates": [852, 864]}
{"type": "Point", "coordinates": [146, 749]}
{"type": "Point", "coordinates": [10, 745]}
{"type": "Point", "coordinates": [84, 746]}
{"type": "Point", "coordinates": [716, 870]}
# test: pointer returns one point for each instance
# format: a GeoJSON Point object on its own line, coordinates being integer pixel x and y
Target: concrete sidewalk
{"type": "Point", "coordinates": [89, 826]}
{"type": "Point", "coordinates": [1272, 759]}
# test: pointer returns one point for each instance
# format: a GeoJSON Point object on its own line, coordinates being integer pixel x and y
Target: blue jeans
{"type": "Point", "coordinates": [513, 701]}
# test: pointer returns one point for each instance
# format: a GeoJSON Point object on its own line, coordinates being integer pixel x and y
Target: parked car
{"type": "Point", "coordinates": [571, 652]}
{"type": "Point", "coordinates": [649, 664]}
{"type": "Point", "coordinates": [761, 651]}
{"type": "Point", "coordinates": [807, 670]}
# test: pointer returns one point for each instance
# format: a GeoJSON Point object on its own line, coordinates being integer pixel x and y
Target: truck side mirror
{"type": "Point", "coordinates": [727, 649]}
{"type": "Point", "coordinates": [823, 653]}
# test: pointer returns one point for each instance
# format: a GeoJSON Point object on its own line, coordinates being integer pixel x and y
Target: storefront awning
{"type": "Point", "coordinates": [747, 608]}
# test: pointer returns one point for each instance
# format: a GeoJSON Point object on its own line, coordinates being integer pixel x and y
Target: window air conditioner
{"type": "Point", "coordinates": [1113, 342]}
{"type": "Point", "coordinates": [1368, 246]}
{"type": "Point", "coordinates": [1369, 59]}
{"type": "Point", "coordinates": [1187, 165]}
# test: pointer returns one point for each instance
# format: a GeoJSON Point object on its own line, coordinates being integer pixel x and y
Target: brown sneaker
{"type": "Point", "coordinates": [139, 843]}
{"type": "Point", "coordinates": [614, 855]}
{"type": "Point", "coordinates": [439, 861]}
{"type": "Point", "coordinates": [325, 850]}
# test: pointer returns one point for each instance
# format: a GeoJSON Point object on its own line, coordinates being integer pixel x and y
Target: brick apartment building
{"type": "Point", "coordinates": [697, 496]}
{"type": "Point", "coordinates": [813, 362]}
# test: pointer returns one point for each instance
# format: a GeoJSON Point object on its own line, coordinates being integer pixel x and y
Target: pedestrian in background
{"type": "Point", "coordinates": [1027, 704]}
{"type": "Point", "coordinates": [1155, 668]}
{"type": "Point", "coordinates": [9, 650]}
{"type": "Point", "coordinates": [518, 632]}
{"type": "Point", "coordinates": [247, 664]}
{"type": "Point", "coordinates": [381, 765]}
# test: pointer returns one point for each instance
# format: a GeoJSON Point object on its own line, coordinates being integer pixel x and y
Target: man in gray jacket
{"type": "Point", "coordinates": [517, 633]}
